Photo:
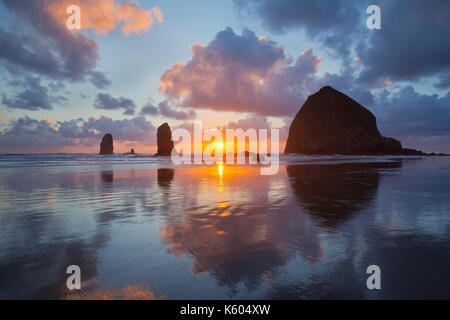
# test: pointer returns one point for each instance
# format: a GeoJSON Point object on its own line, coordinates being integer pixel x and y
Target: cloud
{"type": "Point", "coordinates": [99, 79]}
{"type": "Point", "coordinates": [102, 16]}
{"type": "Point", "coordinates": [259, 122]}
{"type": "Point", "coordinates": [241, 73]}
{"type": "Point", "coordinates": [443, 81]}
{"type": "Point", "coordinates": [31, 135]}
{"type": "Point", "coordinates": [313, 16]}
{"type": "Point", "coordinates": [165, 110]}
{"type": "Point", "coordinates": [38, 44]}
{"type": "Point", "coordinates": [107, 102]}
{"type": "Point", "coordinates": [250, 122]}
{"type": "Point", "coordinates": [407, 113]}
{"type": "Point", "coordinates": [33, 96]}
{"type": "Point", "coordinates": [25, 52]}
{"type": "Point", "coordinates": [411, 44]}
{"type": "Point", "coordinates": [149, 110]}
{"type": "Point", "coordinates": [332, 22]}
{"type": "Point", "coordinates": [65, 54]}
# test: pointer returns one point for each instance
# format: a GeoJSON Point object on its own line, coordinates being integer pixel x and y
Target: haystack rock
{"type": "Point", "coordinates": [106, 146]}
{"type": "Point", "coordinates": [164, 140]}
{"type": "Point", "coordinates": [329, 122]}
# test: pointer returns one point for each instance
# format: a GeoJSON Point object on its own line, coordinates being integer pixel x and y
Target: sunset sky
{"type": "Point", "coordinates": [242, 63]}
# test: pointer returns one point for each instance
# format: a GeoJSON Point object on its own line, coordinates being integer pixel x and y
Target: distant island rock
{"type": "Point", "coordinates": [131, 151]}
{"type": "Point", "coordinates": [164, 140]}
{"type": "Point", "coordinates": [106, 146]}
{"type": "Point", "coordinates": [329, 122]}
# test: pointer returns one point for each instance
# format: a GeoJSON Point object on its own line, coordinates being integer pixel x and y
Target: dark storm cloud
{"type": "Point", "coordinates": [32, 96]}
{"type": "Point", "coordinates": [107, 102]}
{"type": "Point", "coordinates": [30, 135]}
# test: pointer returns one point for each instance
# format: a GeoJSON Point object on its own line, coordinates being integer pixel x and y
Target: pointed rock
{"type": "Point", "coordinates": [164, 140]}
{"type": "Point", "coordinates": [131, 151]}
{"type": "Point", "coordinates": [106, 146]}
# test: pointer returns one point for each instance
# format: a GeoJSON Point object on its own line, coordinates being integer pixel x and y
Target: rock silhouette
{"type": "Point", "coordinates": [164, 140]}
{"type": "Point", "coordinates": [106, 146]}
{"type": "Point", "coordinates": [131, 151]}
{"type": "Point", "coordinates": [329, 122]}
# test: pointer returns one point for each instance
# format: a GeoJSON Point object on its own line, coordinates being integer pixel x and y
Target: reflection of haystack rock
{"type": "Point", "coordinates": [164, 140]}
{"type": "Point", "coordinates": [332, 194]}
{"type": "Point", "coordinates": [106, 146]}
{"type": "Point", "coordinates": [329, 122]}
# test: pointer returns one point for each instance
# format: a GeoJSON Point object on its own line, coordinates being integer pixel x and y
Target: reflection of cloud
{"type": "Point", "coordinates": [236, 227]}
{"type": "Point", "coordinates": [126, 292]}
{"type": "Point", "coordinates": [50, 258]}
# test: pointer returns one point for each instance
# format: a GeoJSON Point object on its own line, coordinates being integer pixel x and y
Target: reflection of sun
{"type": "Point", "coordinates": [220, 168]}
{"type": "Point", "coordinates": [219, 145]}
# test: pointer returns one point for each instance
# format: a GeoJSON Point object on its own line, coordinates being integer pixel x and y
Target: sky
{"type": "Point", "coordinates": [137, 64]}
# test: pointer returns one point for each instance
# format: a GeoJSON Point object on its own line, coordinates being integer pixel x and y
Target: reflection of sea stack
{"type": "Point", "coordinates": [332, 194]}
{"type": "Point", "coordinates": [164, 140]}
{"type": "Point", "coordinates": [106, 146]}
{"type": "Point", "coordinates": [107, 176]}
{"type": "Point", "coordinates": [165, 177]}
{"type": "Point", "coordinates": [332, 123]}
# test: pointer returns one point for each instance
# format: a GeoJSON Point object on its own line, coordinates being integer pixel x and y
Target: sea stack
{"type": "Point", "coordinates": [106, 146]}
{"type": "Point", "coordinates": [329, 122]}
{"type": "Point", "coordinates": [164, 140]}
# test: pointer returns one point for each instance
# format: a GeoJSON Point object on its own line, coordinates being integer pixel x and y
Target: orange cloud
{"type": "Point", "coordinates": [102, 16]}
{"type": "Point", "coordinates": [1, 115]}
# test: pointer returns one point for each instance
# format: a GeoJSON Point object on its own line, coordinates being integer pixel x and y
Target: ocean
{"type": "Point", "coordinates": [142, 226]}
